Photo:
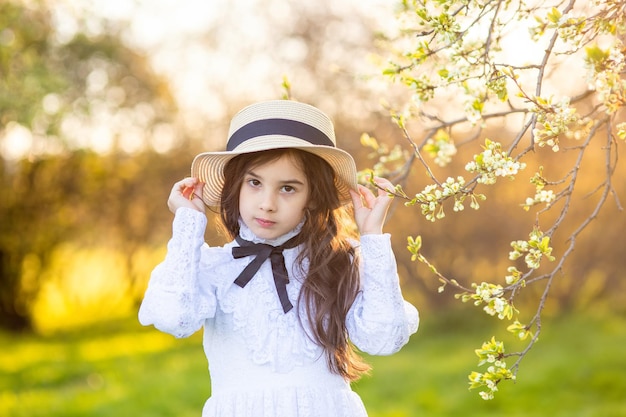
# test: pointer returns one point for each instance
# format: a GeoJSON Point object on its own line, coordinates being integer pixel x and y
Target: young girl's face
{"type": "Point", "coordinates": [273, 197]}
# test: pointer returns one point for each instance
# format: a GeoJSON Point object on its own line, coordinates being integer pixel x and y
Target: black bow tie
{"type": "Point", "coordinates": [262, 252]}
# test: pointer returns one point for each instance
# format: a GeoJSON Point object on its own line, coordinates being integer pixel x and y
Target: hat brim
{"type": "Point", "coordinates": [208, 167]}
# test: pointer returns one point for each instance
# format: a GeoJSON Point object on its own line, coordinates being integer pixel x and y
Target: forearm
{"type": "Point", "coordinates": [174, 302]}
{"type": "Point", "coordinates": [381, 321]}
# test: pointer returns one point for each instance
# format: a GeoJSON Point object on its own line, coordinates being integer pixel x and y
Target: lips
{"type": "Point", "coordinates": [264, 222]}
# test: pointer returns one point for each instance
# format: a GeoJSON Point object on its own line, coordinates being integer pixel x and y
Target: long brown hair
{"type": "Point", "coordinates": [332, 281]}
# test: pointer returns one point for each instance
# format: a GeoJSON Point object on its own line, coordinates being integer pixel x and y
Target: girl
{"type": "Point", "coordinates": [282, 304]}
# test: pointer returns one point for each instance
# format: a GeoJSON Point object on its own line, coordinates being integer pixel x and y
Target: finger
{"type": "Point", "coordinates": [188, 192]}
{"type": "Point", "coordinates": [367, 196]}
{"type": "Point", "coordinates": [186, 182]}
{"type": "Point", "coordinates": [186, 187]}
{"type": "Point", "coordinates": [357, 200]}
{"type": "Point", "coordinates": [384, 186]}
{"type": "Point", "coordinates": [197, 190]}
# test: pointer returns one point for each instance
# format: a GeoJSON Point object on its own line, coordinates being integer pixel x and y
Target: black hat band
{"type": "Point", "coordinates": [284, 127]}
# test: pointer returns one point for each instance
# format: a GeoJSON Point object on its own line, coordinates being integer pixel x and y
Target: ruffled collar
{"type": "Point", "coordinates": [282, 341]}
{"type": "Point", "coordinates": [247, 234]}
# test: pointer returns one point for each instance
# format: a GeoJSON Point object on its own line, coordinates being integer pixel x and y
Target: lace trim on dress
{"type": "Point", "coordinates": [271, 335]}
{"type": "Point", "coordinates": [380, 320]}
{"type": "Point", "coordinates": [195, 283]}
{"type": "Point", "coordinates": [174, 301]}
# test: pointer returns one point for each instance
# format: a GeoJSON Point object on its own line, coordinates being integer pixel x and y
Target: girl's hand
{"type": "Point", "coordinates": [186, 193]}
{"type": "Point", "coordinates": [370, 211]}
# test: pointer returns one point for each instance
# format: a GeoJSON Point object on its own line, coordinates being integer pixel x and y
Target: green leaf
{"type": "Point", "coordinates": [554, 15]}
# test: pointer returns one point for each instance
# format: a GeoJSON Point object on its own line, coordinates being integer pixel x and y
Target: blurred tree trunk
{"type": "Point", "coordinates": [12, 315]}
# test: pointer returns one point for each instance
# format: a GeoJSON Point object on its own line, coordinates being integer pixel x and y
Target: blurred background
{"type": "Point", "coordinates": [103, 106]}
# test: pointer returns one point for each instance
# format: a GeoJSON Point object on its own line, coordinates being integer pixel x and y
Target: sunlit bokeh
{"type": "Point", "coordinates": [212, 57]}
{"type": "Point", "coordinates": [104, 105]}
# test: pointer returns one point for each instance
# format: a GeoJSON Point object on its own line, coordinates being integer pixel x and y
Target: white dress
{"type": "Point", "coordinates": [262, 361]}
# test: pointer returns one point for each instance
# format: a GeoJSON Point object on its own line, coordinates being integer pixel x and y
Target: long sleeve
{"type": "Point", "coordinates": [380, 321]}
{"type": "Point", "coordinates": [176, 301]}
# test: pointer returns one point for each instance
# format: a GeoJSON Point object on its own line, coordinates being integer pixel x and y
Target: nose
{"type": "Point", "coordinates": [268, 202]}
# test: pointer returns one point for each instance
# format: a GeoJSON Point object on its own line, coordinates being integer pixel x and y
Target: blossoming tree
{"type": "Point", "coordinates": [491, 60]}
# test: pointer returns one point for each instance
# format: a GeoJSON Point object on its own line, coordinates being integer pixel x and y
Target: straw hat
{"type": "Point", "coordinates": [272, 125]}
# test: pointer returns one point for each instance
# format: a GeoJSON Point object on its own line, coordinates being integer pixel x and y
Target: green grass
{"type": "Point", "coordinates": [578, 369]}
